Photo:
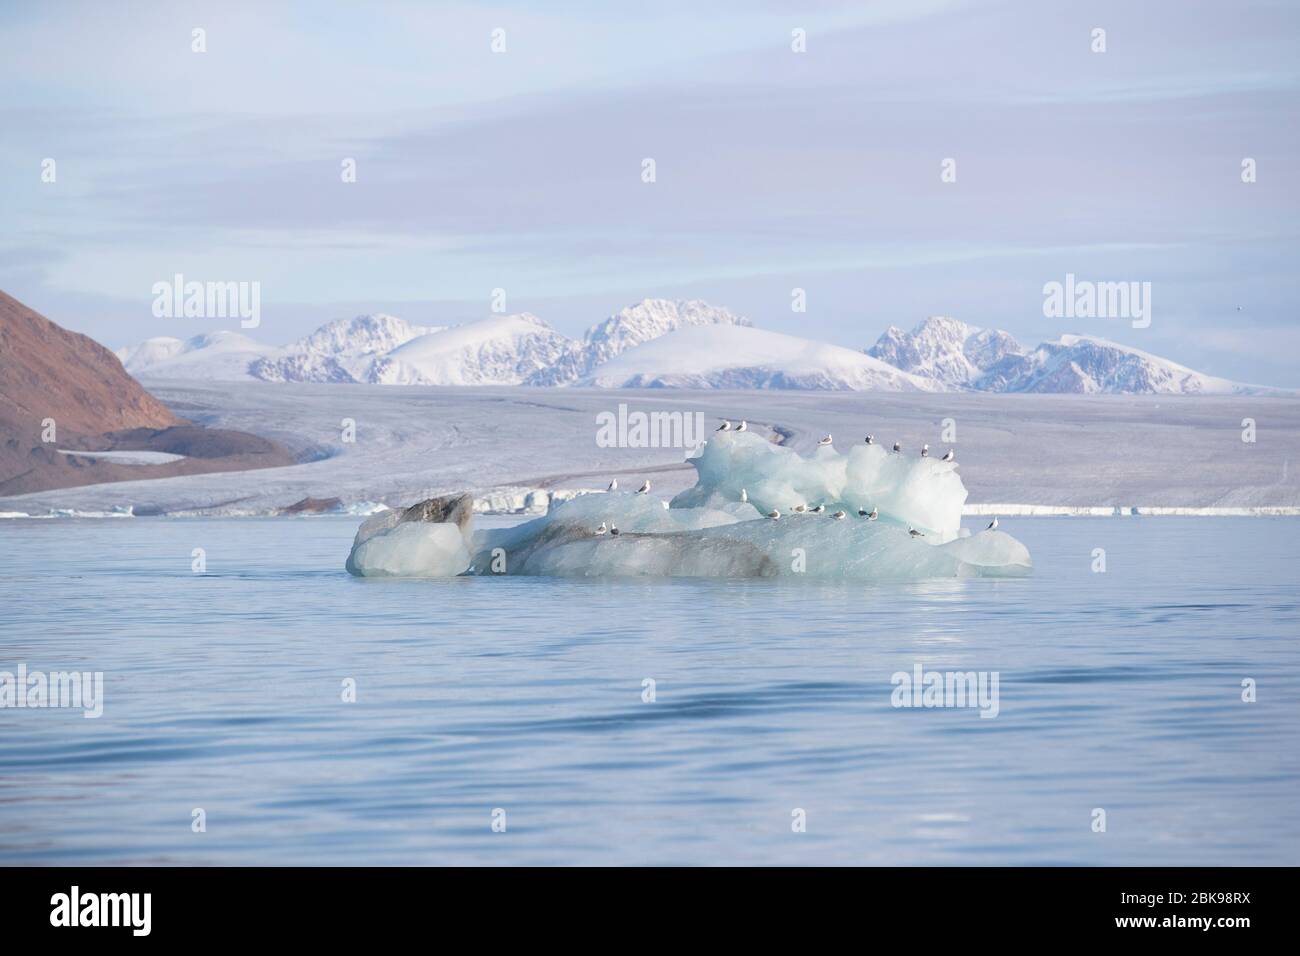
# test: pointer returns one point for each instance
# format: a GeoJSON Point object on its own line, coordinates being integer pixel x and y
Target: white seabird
{"type": "Point", "coordinates": [724, 427]}
{"type": "Point", "coordinates": [825, 441]}
{"type": "Point", "coordinates": [898, 446]}
{"type": "Point", "coordinates": [613, 485]}
{"type": "Point", "coordinates": [613, 529]}
{"type": "Point", "coordinates": [602, 529]}
{"type": "Point", "coordinates": [993, 525]}
{"type": "Point", "coordinates": [838, 516]}
{"type": "Point", "coordinates": [871, 439]}
{"type": "Point", "coordinates": [774, 514]}
{"type": "Point", "coordinates": [819, 509]}
{"type": "Point", "coordinates": [914, 533]}
{"type": "Point", "coordinates": [862, 512]}
{"type": "Point", "coordinates": [801, 508]}
{"type": "Point", "coordinates": [744, 495]}
{"type": "Point", "coordinates": [925, 451]}
{"type": "Point", "coordinates": [949, 456]}
{"type": "Point", "coordinates": [744, 426]}
{"type": "Point", "coordinates": [874, 515]}
{"type": "Point", "coordinates": [644, 487]}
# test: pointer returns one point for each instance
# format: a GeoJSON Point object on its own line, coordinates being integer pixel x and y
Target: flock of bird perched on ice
{"type": "Point", "coordinates": [775, 514]}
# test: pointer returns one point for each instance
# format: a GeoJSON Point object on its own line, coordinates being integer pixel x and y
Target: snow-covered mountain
{"type": "Point", "coordinates": [940, 348]}
{"type": "Point", "coordinates": [386, 350]}
{"type": "Point", "coordinates": [340, 351]}
{"type": "Point", "coordinates": [736, 356]}
{"type": "Point", "coordinates": [502, 350]}
{"type": "Point", "coordinates": [665, 343]}
{"type": "Point", "coordinates": [1086, 365]}
{"type": "Point", "coordinates": [301, 367]}
{"type": "Point", "coordinates": [988, 360]}
{"type": "Point", "coordinates": [214, 355]}
{"type": "Point", "coordinates": [633, 326]}
{"type": "Point", "coordinates": [137, 358]}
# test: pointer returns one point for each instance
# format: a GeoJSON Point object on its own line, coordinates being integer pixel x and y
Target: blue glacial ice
{"type": "Point", "coordinates": [709, 530]}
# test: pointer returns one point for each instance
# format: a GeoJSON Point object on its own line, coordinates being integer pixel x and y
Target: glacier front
{"type": "Point", "coordinates": [721, 526]}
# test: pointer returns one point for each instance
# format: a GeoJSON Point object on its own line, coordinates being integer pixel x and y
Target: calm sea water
{"type": "Point", "coordinates": [1119, 691]}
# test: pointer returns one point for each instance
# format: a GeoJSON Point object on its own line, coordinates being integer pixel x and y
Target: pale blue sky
{"type": "Point", "coordinates": [522, 170]}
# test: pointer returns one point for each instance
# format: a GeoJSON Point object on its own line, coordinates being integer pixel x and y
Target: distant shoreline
{"type": "Point", "coordinates": [1017, 454]}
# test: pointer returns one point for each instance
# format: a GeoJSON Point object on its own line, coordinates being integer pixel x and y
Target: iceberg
{"type": "Point", "coordinates": [411, 551]}
{"type": "Point", "coordinates": [427, 540]}
{"type": "Point", "coordinates": [925, 493]}
{"type": "Point", "coordinates": [720, 526]}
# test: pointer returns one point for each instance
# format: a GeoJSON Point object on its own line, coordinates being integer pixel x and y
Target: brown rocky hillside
{"type": "Point", "coordinates": [47, 372]}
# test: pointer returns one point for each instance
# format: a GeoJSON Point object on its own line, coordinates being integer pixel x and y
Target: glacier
{"type": "Point", "coordinates": [720, 526]}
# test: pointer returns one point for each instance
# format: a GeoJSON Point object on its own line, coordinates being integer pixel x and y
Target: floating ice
{"type": "Point", "coordinates": [709, 531]}
{"type": "Point", "coordinates": [923, 492]}
{"type": "Point", "coordinates": [411, 549]}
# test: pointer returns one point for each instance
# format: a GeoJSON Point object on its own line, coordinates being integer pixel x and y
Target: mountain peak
{"type": "Point", "coordinates": [1086, 364]}
{"type": "Point", "coordinates": [943, 325]}
{"type": "Point", "coordinates": [629, 327]}
{"type": "Point", "coordinates": [360, 335]}
{"type": "Point", "coordinates": [726, 355]}
{"type": "Point", "coordinates": [223, 339]}
{"type": "Point", "coordinates": [498, 350]}
{"type": "Point", "coordinates": [945, 349]}
{"type": "Point", "coordinates": [343, 350]}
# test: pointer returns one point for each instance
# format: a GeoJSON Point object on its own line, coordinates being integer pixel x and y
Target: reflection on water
{"type": "Point", "coordinates": [223, 692]}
